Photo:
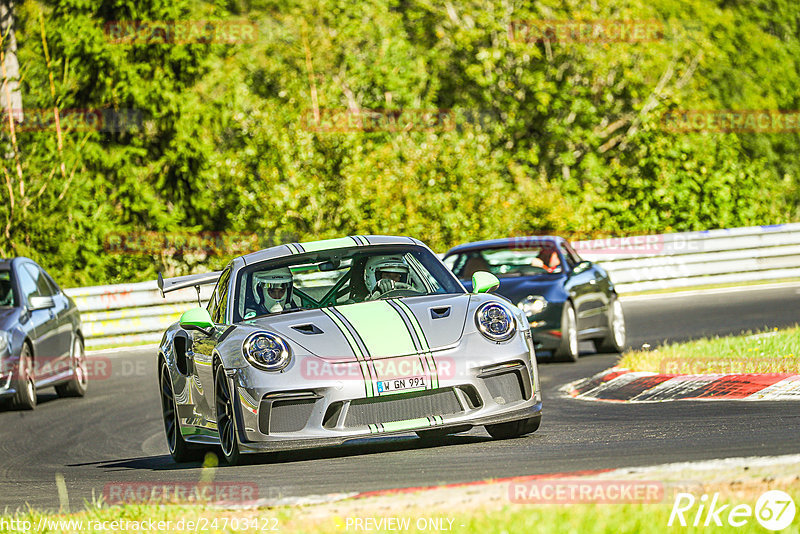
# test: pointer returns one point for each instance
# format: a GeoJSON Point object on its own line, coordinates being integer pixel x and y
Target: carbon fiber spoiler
{"type": "Point", "coordinates": [182, 282]}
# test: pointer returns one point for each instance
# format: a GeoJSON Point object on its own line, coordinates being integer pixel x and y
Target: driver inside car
{"type": "Point", "coordinates": [384, 274]}
{"type": "Point", "coordinates": [273, 290]}
{"type": "Point", "coordinates": [549, 258]}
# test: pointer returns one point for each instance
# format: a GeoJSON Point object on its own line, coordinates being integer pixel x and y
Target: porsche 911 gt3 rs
{"type": "Point", "coordinates": [311, 344]}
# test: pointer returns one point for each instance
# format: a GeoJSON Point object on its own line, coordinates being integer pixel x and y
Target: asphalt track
{"type": "Point", "coordinates": [115, 434]}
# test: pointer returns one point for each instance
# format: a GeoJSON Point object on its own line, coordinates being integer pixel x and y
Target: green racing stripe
{"type": "Point", "coordinates": [354, 347]}
{"type": "Point", "coordinates": [388, 332]}
{"type": "Point", "coordinates": [426, 350]}
{"type": "Point", "coordinates": [329, 244]}
{"type": "Point", "coordinates": [388, 342]}
{"type": "Point", "coordinates": [408, 424]}
{"type": "Point", "coordinates": [380, 327]}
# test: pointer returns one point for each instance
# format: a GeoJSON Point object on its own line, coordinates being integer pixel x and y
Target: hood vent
{"type": "Point", "coordinates": [307, 329]}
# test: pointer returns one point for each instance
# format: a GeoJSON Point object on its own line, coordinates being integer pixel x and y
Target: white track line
{"type": "Point", "coordinates": [714, 291]}
{"type": "Point", "coordinates": [710, 465]}
{"type": "Point", "coordinates": [122, 351]}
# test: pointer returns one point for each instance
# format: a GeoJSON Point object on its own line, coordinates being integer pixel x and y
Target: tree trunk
{"type": "Point", "coordinates": [9, 41]}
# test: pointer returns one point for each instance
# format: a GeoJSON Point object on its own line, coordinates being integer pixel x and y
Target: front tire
{"type": "Point", "coordinates": [79, 382]}
{"type": "Point", "coordinates": [226, 418]}
{"type": "Point", "coordinates": [178, 448]}
{"type": "Point", "coordinates": [617, 335]}
{"type": "Point", "coordinates": [25, 397]}
{"type": "Point", "coordinates": [514, 429]}
{"type": "Point", "coordinates": [567, 351]}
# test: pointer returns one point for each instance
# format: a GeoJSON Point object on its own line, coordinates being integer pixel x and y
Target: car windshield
{"type": "Point", "coordinates": [6, 290]}
{"type": "Point", "coordinates": [530, 261]}
{"type": "Point", "coordinates": [341, 276]}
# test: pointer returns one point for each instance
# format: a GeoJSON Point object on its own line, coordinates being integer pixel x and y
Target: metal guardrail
{"type": "Point", "coordinates": [130, 314]}
{"type": "Point", "coordinates": [689, 259]}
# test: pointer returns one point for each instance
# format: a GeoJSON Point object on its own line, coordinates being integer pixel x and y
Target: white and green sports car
{"type": "Point", "coordinates": [313, 344]}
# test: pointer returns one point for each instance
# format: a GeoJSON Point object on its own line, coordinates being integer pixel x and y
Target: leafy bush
{"type": "Point", "coordinates": [534, 137]}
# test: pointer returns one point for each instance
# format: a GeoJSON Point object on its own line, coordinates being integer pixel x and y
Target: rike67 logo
{"type": "Point", "coordinates": [774, 510]}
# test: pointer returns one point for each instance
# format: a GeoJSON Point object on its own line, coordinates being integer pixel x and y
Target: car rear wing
{"type": "Point", "coordinates": [182, 282]}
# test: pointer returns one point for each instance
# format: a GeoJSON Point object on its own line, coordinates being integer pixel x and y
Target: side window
{"type": "Point", "coordinates": [53, 285]}
{"type": "Point", "coordinates": [223, 297]}
{"type": "Point", "coordinates": [430, 282]}
{"type": "Point", "coordinates": [219, 299]}
{"type": "Point", "coordinates": [572, 257]}
{"type": "Point", "coordinates": [213, 302]}
{"type": "Point", "coordinates": [456, 263]}
{"type": "Point", "coordinates": [7, 292]}
{"type": "Point", "coordinates": [43, 286]}
{"type": "Point", "coordinates": [450, 261]}
{"type": "Point", "coordinates": [27, 285]}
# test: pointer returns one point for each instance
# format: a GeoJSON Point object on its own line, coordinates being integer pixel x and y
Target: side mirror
{"type": "Point", "coordinates": [582, 266]}
{"type": "Point", "coordinates": [197, 319]}
{"type": "Point", "coordinates": [40, 303]}
{"type": "Point", "coordinates": [483, 282]}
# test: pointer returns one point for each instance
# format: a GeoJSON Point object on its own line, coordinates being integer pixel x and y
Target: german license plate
{"type": "Point", "coordinates": [400, 384]}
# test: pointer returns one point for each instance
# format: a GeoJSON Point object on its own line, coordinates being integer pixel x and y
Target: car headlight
{"type": "Point", "coordinates": [531, 305]}
{"type": "Point", "coordinates": [5, 341]}
{"type": "Point", "coordinates": [495, 322]}
{"type": "Point", "coordinates": [266, 351]}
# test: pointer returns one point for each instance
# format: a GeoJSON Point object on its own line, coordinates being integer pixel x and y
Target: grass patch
{"type": "Point", "coordinates": [599, 518]}
{"type": "Point", "coordinates": [485, 509]}
{"type": "Point", "coordinates": [775, 351]}
{"type": "Point", "coordinates": [491, 516]}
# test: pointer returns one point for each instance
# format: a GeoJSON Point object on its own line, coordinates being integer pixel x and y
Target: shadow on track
{"type": "Point", "coordinates": [41, 399]}
{"type": "Point", "coordinates": [360, 447]}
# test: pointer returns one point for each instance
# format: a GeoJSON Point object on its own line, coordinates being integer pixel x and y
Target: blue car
{"type": "Point", "coordinates": [41, 343]}
{"type": "Point", "coordinates": [565, 298]}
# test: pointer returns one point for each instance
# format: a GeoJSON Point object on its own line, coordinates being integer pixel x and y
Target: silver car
{"type": "Point", "coordinates": [312, 344]}
{"type": "Point", "coordinates": [41, 339]}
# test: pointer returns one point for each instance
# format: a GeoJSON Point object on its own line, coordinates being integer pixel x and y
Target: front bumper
{"type": "Point", "coordinates": [7, 367]}
{"type": "Point", "coordinates": [546, 327]}
{"type": "Point", "coordinates": [534, 411]}
{"type": "Point", "coordinates": [336, 406]}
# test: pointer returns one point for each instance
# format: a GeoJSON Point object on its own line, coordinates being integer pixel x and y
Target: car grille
{"type": "Point", "coordinates": [285, 415]}
{"type": "Point", "coordinates": [505, 388]}
{"type": "Point", "coordinates": [402, 407]}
